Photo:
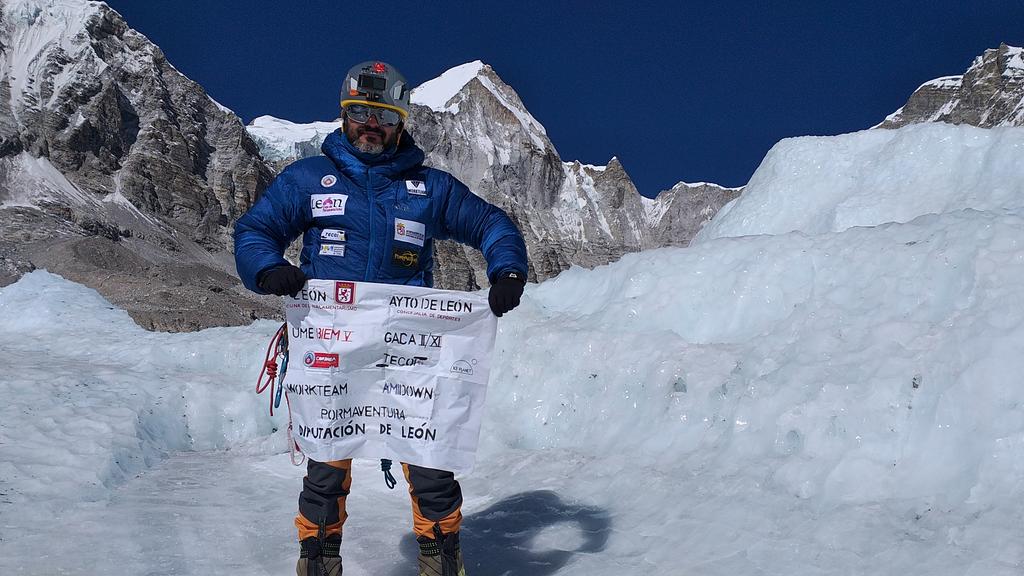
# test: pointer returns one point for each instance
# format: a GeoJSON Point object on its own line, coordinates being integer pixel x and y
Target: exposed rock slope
{"type": "Point", "coordinates": [116, 170]}
{"type": "Point", "coordinates": [989, 94]}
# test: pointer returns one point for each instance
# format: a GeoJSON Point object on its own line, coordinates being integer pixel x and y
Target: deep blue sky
{"type": "Point", "coordinates": [677, 90]}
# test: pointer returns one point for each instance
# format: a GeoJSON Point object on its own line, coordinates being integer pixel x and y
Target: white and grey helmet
{"type": "Point", "coordinates": [377, 84]}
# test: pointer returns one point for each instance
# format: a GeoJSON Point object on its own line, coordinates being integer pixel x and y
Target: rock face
{"type": "Point", "coordinates": [989, 94]}
{"type": "Point", "coordinates": [472, 124]}
{"type": "Point", "coordinates": [116, 170]}
{"type": "Point", "coordinates": [570, 213]}
{"type": "Point", "coordinates": [681, 212]}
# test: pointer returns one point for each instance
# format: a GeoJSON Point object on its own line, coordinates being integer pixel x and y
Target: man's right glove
{"type": "Point", "coordinates": [505, 293]}
{"type": "Point", "coordinates": [282, 280]}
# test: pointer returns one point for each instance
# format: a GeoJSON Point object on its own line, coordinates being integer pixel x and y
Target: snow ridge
{"type": "Point", "coordinates": [438, 93]}
{"type": "Point", "coordinates": [819, 185]}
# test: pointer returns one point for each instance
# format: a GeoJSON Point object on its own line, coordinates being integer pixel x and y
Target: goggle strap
{"type": "Point", "coordinates": [348, 102]}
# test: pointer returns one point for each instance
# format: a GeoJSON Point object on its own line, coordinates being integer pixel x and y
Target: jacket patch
{"type": "Point", "coordinates": [333, 235]}
{"type": "Point", "coordinates": [405, 258]}
{"type": "Point", "coordinates": [332, 249]}
{"type": "Point", "coordinates": [410, 231]}
{"type": "Point", "coordinates": [328, 204]}
{"type": "Point", "coordinates": [416, 187]}
{"type": "Point", "coordinates": [328, 180]}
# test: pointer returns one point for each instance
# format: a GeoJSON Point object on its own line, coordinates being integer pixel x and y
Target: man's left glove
{"type": "Point", "coordinates": [505, 292]}
{"type": "Point", "coordinates": [283, 280]}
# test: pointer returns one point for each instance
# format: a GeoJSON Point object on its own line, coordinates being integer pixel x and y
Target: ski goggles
{"type": "Point", "coordinates": [361, 113]}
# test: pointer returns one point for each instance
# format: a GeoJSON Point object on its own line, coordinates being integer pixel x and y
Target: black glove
{"type": "Point", "coordinates": [282, 280]}
{"type": "Point", "coordinates": [505, 293]}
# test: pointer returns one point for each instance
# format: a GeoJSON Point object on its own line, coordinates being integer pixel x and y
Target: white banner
{"type": "Point", "coordinates": [388, 371]}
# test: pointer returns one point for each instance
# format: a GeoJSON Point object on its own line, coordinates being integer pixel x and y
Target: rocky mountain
{"type": "Point", "coordinates": [680, 212]}
{"type": "Point", "coordinates": [472, 124]}
{"type": "Point", "coordinates": [989, 94]}
{"type": "Point", "coordinates": [119, 172]}
{"type": "Point", "coordinates": [116, 170]}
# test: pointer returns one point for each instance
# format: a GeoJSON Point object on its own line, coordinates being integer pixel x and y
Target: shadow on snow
{"type": "Point", "coordinates": [500, 541]}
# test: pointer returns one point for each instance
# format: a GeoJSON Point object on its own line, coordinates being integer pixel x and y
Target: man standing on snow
{"type": "Point", "coordinates": [369, 211]}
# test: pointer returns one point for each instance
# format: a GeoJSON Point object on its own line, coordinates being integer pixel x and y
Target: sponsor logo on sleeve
{"type": "Point", "coordinates": [345, 292]}
{"type": "Point", "coordinates": [332, 249]}
{"type": "Point", "coordinates": [320, 360]}
{"type": "Point", "coordinates": [332, 235]}
{"type": "Point", "coordinates": [405, 258]}
{"type": "Point", "coordinates": [328, 180]}
{"type": "Point", "coordinates": [416, 187]}
{"type": "Point", "coordinates": [410, 231]}
{"type": "Point", "coordinates": [328, 204]}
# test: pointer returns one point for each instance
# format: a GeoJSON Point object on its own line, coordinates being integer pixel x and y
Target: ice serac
{"type": "Point", "coordinates": [282, 142]}
{"type": "Point", "coordinates": [989, 94]}
{"type": "Point", "coordinates": [822, 185]}
{"type": "Point", "coordinates": [973, 167]}
{"type": "Point", "coordinates": [116, 170]}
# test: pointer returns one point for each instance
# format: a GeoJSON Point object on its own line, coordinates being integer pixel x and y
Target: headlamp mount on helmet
{"type": "Point", "coordinates": [371, 86]}
{"type": "Point", "coordinates": [377, 84]}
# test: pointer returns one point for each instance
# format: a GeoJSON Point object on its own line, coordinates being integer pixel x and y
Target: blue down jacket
{"type": "Point", "coordinates": [370, 218]}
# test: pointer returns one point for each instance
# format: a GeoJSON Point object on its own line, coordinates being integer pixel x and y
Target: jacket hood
{"type": "Point", "coordinates": [354, 163]}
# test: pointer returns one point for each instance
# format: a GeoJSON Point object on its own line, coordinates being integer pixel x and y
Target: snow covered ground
{"type": "Point", "coordinates": [841, 400]}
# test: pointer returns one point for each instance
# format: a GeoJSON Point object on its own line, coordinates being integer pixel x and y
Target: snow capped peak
{"type": "Point", "coordinates": [437, 93]}
{"type": "Point", "coordinates": [33, 12]}
{"type": "Point", "coordinates": [1015, 56]}
{"type": "Point", "coordinates": [1010, 60]}
{"type": "Point", "coordinates": [46, 32]}
{"type": "Point", "coordinates": [1014, 62]}
{"type": "Point", "coordinates": [448, 92]}
{"type": "Point", "coordinates": [577, 165]}
{"type": "Point", "coordinates": [989, 94]}
{"type": "Point", "coordinates": [76, 73]}
{"type": "Point", "coordinates": [944, 82]}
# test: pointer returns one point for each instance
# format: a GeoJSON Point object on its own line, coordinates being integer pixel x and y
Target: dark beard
{"type": "Point", "coordinates": [369, 148]}
{"type": "Point", "coordinates": [366, 147]}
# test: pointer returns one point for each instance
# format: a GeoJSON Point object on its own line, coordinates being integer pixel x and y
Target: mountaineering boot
{"type": "Point", "coordinates": [320, 559]}
{"type": "Point", "coordinates": [441, 556]}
